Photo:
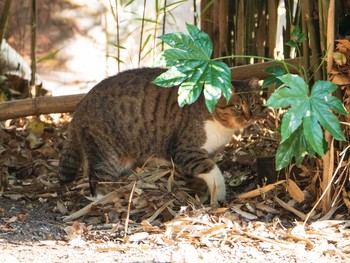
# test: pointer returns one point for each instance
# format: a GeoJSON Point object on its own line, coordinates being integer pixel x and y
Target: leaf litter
{"type": "Point", "coordinates": [155, 206]}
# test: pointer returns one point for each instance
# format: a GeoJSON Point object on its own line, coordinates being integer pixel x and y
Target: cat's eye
{"type": "Point", "coordinates": [238, 107]}
{"type": "Point", "coordinates": [252, 106]}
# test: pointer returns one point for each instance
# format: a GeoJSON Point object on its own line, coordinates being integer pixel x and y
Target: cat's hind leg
{"type": "Point", "coordinates": [102, 162]}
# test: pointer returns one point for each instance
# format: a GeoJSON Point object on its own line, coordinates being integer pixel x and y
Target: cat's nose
{"type": "Point", "coordinates": [247, 115]}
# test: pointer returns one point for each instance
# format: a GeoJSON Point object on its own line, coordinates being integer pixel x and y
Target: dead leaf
{"type": "Point", "coordinates": [36, 127]}
{"type": "Point", "coordinates": [339, 58]}
{"type": "Point", "coordinates": [237, 209]}
{"type": "Point", "coordinates": [346, 198]}
{"type": "Point", "coordinates": [260, 190]}
{"type": "Point", "coordinates": [341, 80]}
{"type": "Point", "coordinates": [294, 191]}
{"type": "Point", "coordinates": [343, 45]}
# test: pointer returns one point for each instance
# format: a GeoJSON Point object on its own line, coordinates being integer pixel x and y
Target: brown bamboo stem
{"type": "Point", "coordinates": [4, 19]}
{"type": "Point", "coordinates": [328, 159]}
{"type": "Point", "coordinates": [308, 11]}
{"type": "Point", "coordinates": [272, 27]}
{"type": "Point", "coordinates": [33, 49]}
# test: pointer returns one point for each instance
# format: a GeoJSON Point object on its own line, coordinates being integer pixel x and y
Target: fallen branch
{"type": "Point", "coordinates": [39, 105]}
{"type": "Point", "coordinates": [46, 105]}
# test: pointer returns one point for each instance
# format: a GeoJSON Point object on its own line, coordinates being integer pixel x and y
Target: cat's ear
{"type": "Point", "coordinates": [254, 83]}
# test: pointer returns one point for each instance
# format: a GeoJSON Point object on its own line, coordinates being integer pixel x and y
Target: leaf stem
{"type": "Point", "coordinates": [285, 64]}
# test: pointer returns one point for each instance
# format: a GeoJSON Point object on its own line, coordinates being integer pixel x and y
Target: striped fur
{"type": "Point", "coordinates": [125, 119]}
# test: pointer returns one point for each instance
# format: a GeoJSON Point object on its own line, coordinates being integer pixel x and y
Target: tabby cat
{"type": "Point", "coordinates": [125, 119]}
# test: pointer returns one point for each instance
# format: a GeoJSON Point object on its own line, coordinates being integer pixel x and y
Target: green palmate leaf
{"type": "Point", "coordinates": [335, 104]}
{"type": "Point", "coordinates": [306, 116]}
{"type": "Point", "coordinates": [172, 77]}
{"type": "Point", "coordinates": [217, 81]}
{"type": "Point", "coordinates": [190, 90]}
{"type": "Point", "coordinates": [293, 119]}
{"type": "Point", "coordinates": [191, 66]}
{"type": "Point", "coordinates": [283, 97]}
{"type": "Point", "coordinates": [294, 91]}
{"type": "Point", "coordinates": [327, 119]}
{"type": "Point", "coordinates": [200, 39]}
{"type": "Point", "coordinates": [296, 84]}
{"type": "Point", "coordinates": [197, 42]}
{"type": "Point", "coordinates": [297, 37]}
{"type": "Point", "coordinates": [313, 134]}
{"type": "Point", "coordinates": [295, 146]}
{"type": "Point", "coordinates": [323, 88]}
{"type": "Point", "coordinates": [275, 71]}
{"type": "Point", "coordinates": [189, 93]}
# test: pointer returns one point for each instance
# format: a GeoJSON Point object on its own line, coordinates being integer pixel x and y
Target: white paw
{"type": "Point", "coordinates": [216, 184]}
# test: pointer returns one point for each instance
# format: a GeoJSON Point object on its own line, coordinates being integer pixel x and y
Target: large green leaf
{"type": "Point", "coordinates": [192, 68]}
{"type": "Point", "coordinates": [313, 134]}
{"type": "Point", "coordinates": [327, 119]}
{"type": "Point", "coordinates": [301, 125]}
{"type": "Point", "coordinates": [275, 71]}
{"type": "Point", "coordinates": [293, 119]}
{"type": "Point", "coordinates": [295, 146]}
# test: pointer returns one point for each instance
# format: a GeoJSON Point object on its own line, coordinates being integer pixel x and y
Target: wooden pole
{"type": "Point", "coordinates": [39, 105]}
{"type": "Point", "coordinates": [46, 105]}
{"type": "Point", "coordinates": [328, 159]}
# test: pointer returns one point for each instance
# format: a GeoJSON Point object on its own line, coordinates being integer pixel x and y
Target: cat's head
{"type": "Point", "coordinates": [243, 108]}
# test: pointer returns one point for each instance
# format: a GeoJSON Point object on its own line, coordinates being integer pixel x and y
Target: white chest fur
{"type": "Point", "coordinates": [217, 136]}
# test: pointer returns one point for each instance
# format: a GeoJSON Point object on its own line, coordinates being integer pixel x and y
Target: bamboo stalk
{"type": "Point", "coordinates": [328, 159]}
{"type": "Point", "coordinates": [33, 49]}
{"type": "Point", "coordinates": [306, 50]}
{"type": "Point", "coordinates": [308, 10]}
{"type": "Point", "coordinates": [118, 33]}
{"type": "Point", "coordinates": [261, 31]}
{"type": "Point", "coordinates": [272, 27]}
{"type": "Point", "coordinates": [240, 32]}
{"type": "Point", "coordinates": [216, 29]}
{"type": "Point", "coordinates": [223, 30]}
{"type": "Point", "coordinates": [164, 22]}
{"type": "Point", "coordinates": [4, 19]}
{"type": "Point", "coordinates": [195, 15]}
{"type": "Point", "coordinates": [142, 30]}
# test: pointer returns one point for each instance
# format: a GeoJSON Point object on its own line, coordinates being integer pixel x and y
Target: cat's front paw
{"type": "Point", "coordinates": [216, 184]}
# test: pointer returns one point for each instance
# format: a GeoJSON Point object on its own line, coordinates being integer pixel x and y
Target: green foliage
{"type": "Point", "coordinates": [301, 128]}
{"type": "Point", "coordinates": [297, 37]}
{"type": "Point", "coordinates": [275, 71]}
{"type": "Point", "coordinates": [192, 68]}
{"type": "Point", "coordinates": [51, 55]}
{"type": "Point", "coordinates": [307, 112]}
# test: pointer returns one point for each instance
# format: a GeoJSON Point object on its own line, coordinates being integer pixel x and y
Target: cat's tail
{"type": "Point", "coordinates": [70, 159]}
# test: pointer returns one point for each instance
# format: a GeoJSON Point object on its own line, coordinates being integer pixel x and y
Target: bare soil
{"type": "Point", "coordinates": [152, 216]}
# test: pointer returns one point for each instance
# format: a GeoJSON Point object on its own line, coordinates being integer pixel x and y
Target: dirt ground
{"type": "Point", "coordinates": [151, 216]}
{"type": "Point", "coordinates": [31, 231]}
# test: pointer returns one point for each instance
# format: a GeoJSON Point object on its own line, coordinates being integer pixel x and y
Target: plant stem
{"type": "Point", "coordinates": [285, 64]}
{"type": "Point", "coordinates": [164, 20]}
{"type": "Point", "coordinates": [118, 33]}
{"type": "Point", "coordinates": [142, 30]}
